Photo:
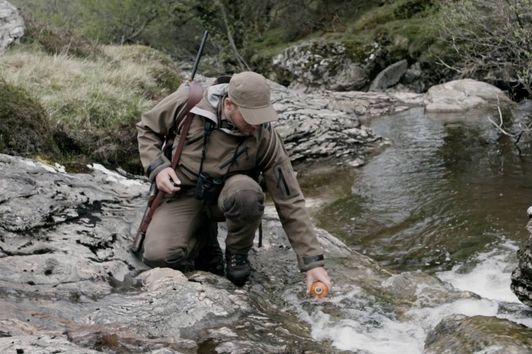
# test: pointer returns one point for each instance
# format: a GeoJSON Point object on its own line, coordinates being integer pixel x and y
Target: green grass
{"type": "Point", "coordinates": [77, 93]}
{"type": "Point", "coordinates": [83, 93]}
{"type": "Point", "coordinates": [91, 99]}
{"type": "Point", "coordinates": [406, 28]}
{"type": "Point", "coordinates": [392, 11]}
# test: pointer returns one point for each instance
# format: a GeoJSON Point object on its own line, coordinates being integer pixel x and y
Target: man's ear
{"type": "Point", "coordinates": [228, 104]}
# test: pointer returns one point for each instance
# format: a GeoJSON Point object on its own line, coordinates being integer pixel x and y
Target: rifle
{"type": "Point", "coordinates": [194, 96]}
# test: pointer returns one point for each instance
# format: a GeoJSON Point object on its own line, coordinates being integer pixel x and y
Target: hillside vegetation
{"type": "Point", "coordinates": [488, 40]}
{"type": "Point", "coordinates": [244, 33]}
{"type": "Point", "coordinates": [90, 104]}
{"type": "Point", "coordinates": [92, 66]}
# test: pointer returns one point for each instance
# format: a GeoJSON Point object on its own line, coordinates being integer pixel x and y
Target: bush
{"type": "Point", "coordinates": [56, 40]}
{"type": "Point", "coordinates": [24, 126]}
{"type": "Point", "coordinates": [161, 69]}
{"type": "Point", "coordinates": [493, 40]}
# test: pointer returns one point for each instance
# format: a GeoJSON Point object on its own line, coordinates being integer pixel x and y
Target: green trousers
{"type": "Point", "coordinates": [182, 224]}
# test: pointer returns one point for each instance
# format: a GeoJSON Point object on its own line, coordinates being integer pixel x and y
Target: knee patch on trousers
{"type": "Point", "coordinates": [244, 205]}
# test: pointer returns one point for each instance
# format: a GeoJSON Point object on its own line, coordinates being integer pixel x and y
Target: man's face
{"type": "Point", "coordinates": [235, 116]}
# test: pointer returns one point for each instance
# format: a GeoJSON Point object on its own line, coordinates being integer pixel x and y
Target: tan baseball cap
{"type": "Point", "coordinates": [251, 93]}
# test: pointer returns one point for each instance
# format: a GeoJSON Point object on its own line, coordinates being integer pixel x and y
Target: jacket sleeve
{"type": "Point", "coordinates": [286, 193]}
{"type": "Point", "coordinates": [154, 126]}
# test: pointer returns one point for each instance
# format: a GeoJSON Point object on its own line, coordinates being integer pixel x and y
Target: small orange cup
{"type": "Point", "coordinates": [318, 290]}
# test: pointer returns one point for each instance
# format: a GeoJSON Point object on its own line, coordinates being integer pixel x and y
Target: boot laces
{"type": "Point", "coordinates": [238, 259]}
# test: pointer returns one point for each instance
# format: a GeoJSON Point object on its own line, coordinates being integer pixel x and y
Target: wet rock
{"type": "Point", "coordinates": [41, 344]}
{"type": "Point", "coordinates": [389, 76]}
{"type": "Point", "coordinates": [68, 281]}
{"type": "Point", "coordinates": [464, 95]}
{"type": "Point", "coordinates": [522, 275]}
{"type": "Point", "coordinates": [423, 290]}
{"type": "Point", "coordinates": [11, 24]}
{"type": "Point", "coordinates": [478, 334]}
{"type": "Point", "coordinates": [167, 306]}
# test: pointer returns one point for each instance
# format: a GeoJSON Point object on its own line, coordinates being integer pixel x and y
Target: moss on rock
{"type": "Point", "coordinates": [384, 34]}
{"type": "Point", "coordinates": [24, 125]}
{"type": "Point", "coordinates": [118, 147]}
{"type": "Point", "coordinates": [358, 50]}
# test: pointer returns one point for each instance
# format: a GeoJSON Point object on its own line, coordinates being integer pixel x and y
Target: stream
{"type": "Point", "coordinates": [447, 197]}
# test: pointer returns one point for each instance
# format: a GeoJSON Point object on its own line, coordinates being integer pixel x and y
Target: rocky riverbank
{"type": "Point", "coordinates": [68, 282]}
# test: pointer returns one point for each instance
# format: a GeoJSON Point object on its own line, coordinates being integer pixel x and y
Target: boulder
{"type": "Point", "coordinates": [389, 76]}
{"type": "Point", "coordinates": [522, 275]}
{"type": "Point", "coordinates": [313, 127]}
{"type": "Point", "coordinates": [350, 76]}
{"type": "Point", "coordinates": [11, 24]}
{"type": "Point", "coordinates": [464, 95]}
{"type": "Point", "coordinates": [478, 334]}
{"type": "Point", "coordinates": [413, 78]}
{"type": "Point", "coordinates": [319, 64]}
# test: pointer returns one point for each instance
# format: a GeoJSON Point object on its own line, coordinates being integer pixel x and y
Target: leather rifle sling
{"type": "Point", "coordinates": [194, 96]}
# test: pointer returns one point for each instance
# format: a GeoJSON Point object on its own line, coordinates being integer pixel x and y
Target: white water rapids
{"type": "Point", "coordinates": [367, 329]}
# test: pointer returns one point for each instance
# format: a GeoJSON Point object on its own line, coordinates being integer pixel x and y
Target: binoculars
{"type": "Point", "coordinates": [208, 188]}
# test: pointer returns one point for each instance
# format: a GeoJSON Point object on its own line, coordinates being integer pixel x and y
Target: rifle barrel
{"type": "Point", "coordinates": [198, 57]}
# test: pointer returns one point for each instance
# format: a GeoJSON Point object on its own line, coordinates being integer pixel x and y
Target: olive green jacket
{"type": "Point", "coordinates": [228, 154]}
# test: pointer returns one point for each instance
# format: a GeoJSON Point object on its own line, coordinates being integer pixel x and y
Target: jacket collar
{"type": "Point", "coordinates": [208, 106]}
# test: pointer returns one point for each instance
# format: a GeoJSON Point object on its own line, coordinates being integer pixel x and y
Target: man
{"type": "Point", "coordinates": [230, 143]}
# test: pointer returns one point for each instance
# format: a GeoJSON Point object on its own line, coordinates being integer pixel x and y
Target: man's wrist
{"type": "Point", "coordinates": [307, 263]}
{"type": "Point", "coordinates": [156, 167]}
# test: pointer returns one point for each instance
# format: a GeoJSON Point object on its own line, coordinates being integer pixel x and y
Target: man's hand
{"type": "Point", "coordinates": [317, 274]}
{"type": "Point", "coordinates": [167, 181]}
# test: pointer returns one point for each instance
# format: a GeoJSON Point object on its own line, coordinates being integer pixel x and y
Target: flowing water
{"type": "Point", "coordinates": [448, 197]}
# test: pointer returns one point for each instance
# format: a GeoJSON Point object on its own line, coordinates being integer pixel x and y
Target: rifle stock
{"type": "Point", "coordinates": [138, 241]}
